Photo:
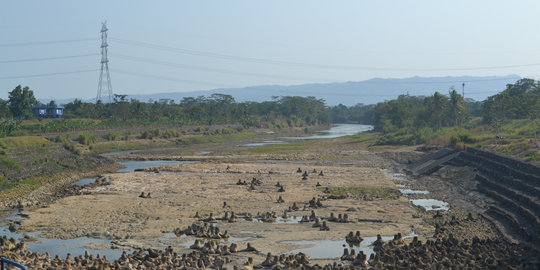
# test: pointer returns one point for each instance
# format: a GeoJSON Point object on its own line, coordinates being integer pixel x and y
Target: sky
{"type": "Point", "coordinates": [181, 46]}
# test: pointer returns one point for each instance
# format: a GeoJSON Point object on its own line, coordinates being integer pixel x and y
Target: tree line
{"type": "Point", "coordinates": [410, 113]}
{"type": "Point", "coordinates": [280, 112]}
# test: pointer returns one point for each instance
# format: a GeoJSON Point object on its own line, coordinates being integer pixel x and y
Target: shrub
{"type": "Point", "coordinates": [112, 136]}
{"type": "Point", "coordinates": [87, 138]}
{"type": "Point", "coordinates": [150, 134]}
{"type": "Point", "coordinates": [62, 138]}
{"type": "Point", "coordinates": [71, 148]}
{"type": "Point", "coordinates": [126, 136]}
{"type": "Point", "coordinates": [169, 133]}
{"type": "Point", "coordinates": [458, 139]}
{"type": "Point", "coordinates": [532, 156]}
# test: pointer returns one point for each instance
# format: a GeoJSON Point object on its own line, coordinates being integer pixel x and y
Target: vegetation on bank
{"type": "Point", "coordinates": [506, 122]}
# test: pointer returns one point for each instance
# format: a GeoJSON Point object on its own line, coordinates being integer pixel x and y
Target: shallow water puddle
{"type": "Point", "coordinates": [264, 143]}
{"type": "Point", "coordinates": [84, 181]}
{"type": "Point", "coordinates": [397, 176]}
{"type": "Point", "coordinates": [60, 247]}
{"type": "Point", "coordinates": [431, 204]}
{"type": "Point", "coordinates": [407, 191]}
{"type": "Point", "coordinates": [132, 165]}
{"type": "Point", "coordinates": [322, 249]}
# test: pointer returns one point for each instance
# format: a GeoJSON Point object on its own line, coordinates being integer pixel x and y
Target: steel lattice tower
{"type": "Point", "coordinates": [104, 65]}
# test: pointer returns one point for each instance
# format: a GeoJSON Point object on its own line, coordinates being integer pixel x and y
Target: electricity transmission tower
{"type": "Point", "coordinates": [104, 66]}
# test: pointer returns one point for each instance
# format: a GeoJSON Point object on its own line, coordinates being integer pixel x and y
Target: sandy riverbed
{"type": "Point", "coordinates": [117, 212]}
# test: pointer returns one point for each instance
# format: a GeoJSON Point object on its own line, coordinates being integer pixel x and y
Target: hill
{"type": "Point", "coordinates": [350, 93]}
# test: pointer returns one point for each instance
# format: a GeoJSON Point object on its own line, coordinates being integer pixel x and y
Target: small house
{"type": "Point", "coordinates": [48, 112]}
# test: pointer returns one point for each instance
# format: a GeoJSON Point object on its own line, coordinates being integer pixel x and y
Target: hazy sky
{"type": "Point", "coordinates": [170, 46]}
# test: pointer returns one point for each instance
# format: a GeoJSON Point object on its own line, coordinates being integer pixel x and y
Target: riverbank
{"type": "Point", "coordinates": [280, 198]}
{"type": "Point", "coordinates": [36, 170]}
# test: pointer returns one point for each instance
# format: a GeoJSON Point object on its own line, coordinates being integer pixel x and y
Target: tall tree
{"type": "Point", "coordinates": [20, 100]}
{"type": "Point", "coordinates": [456, 107]}
{"type": "Point", "coordinates": [4, 109]}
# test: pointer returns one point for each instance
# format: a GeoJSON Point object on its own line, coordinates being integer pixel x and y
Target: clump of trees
{"type": "Point", "coordinates": [19, 100]}
{"type": "Point", "coordinates": [519, 101]}
{"type": "Point", "coordinates": [286, 111]}
{"type": "Point", "coordinates": [413, 112]}
{"type": "Point", "coordinates": [358, 113]}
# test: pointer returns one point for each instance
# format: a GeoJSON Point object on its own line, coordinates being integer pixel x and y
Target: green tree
{"type": "Point", "coordinates": [456, 108]}
{"type": "Point", "coordinates": [20, 100]}
{"type": "Point", "coordinates": [4, 109]}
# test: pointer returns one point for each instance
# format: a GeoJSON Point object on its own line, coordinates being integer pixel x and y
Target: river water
{"type": "Point", "coordinates": [336, 131]}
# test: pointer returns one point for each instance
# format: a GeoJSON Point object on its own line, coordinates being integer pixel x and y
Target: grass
{"type": "Point", "coordinates": [10, 163]}
{"type": "Point", "coordinates": [369, 192]}
{"type": "Point", "coordinates": [22, 141]}
{"type": "Point", "coordinates": [113, 146]}
{"type": "Point", "coordinates": [196, 139]}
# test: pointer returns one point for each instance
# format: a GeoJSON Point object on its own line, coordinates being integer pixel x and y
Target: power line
{"type": "Point", "coordinates": [47, 42]}
{"type": "Point", "coordinates": [47, 74]}
{"type": "Point", "coordinates": [299, 64]}
{"type": "Point", "coordinates": [166, 78]}
{"type": "Point", "coordinates": [217, 70]}
{"type": "Point", "coordinates": [47, 58]}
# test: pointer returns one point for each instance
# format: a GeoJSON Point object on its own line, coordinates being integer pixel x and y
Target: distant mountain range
{"type": "Point", "coordinates": [350, 93]}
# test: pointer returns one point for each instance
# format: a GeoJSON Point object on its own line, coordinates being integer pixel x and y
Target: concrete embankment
{"type": "Point", "coordinates": [514, 187]}
{"type": "Point", "coordinates": [511, 185]}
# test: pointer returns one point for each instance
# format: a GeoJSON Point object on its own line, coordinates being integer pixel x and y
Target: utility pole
{"type": "Point", "coordinates": [463, 90]}
{"type": "Point", "coordinates": [104, 66]}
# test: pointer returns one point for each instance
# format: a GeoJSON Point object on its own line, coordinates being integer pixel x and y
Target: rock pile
{"type": "Point", "coordinates": [202, 230]}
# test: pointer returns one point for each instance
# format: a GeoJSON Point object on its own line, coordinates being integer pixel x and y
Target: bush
{"type": "Point", "coordinates": [87, 138]}
{"type": "Point", "coordinates": [126, 136]}
{"type": "Point", "coordinates": [62, 138]}
{"type": "Point", "coordinates": [170, 133]}
{"type": "Point", "coordinates": [458, 139]}
{"type": "Point", "coordinates": [112, 136]}
{"type": "Point", "coordinates": [150, 134]}
{"type": "Point", "coordinates": [532, 156]}
{"type": "Point", "coordinates": [71, 148]}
